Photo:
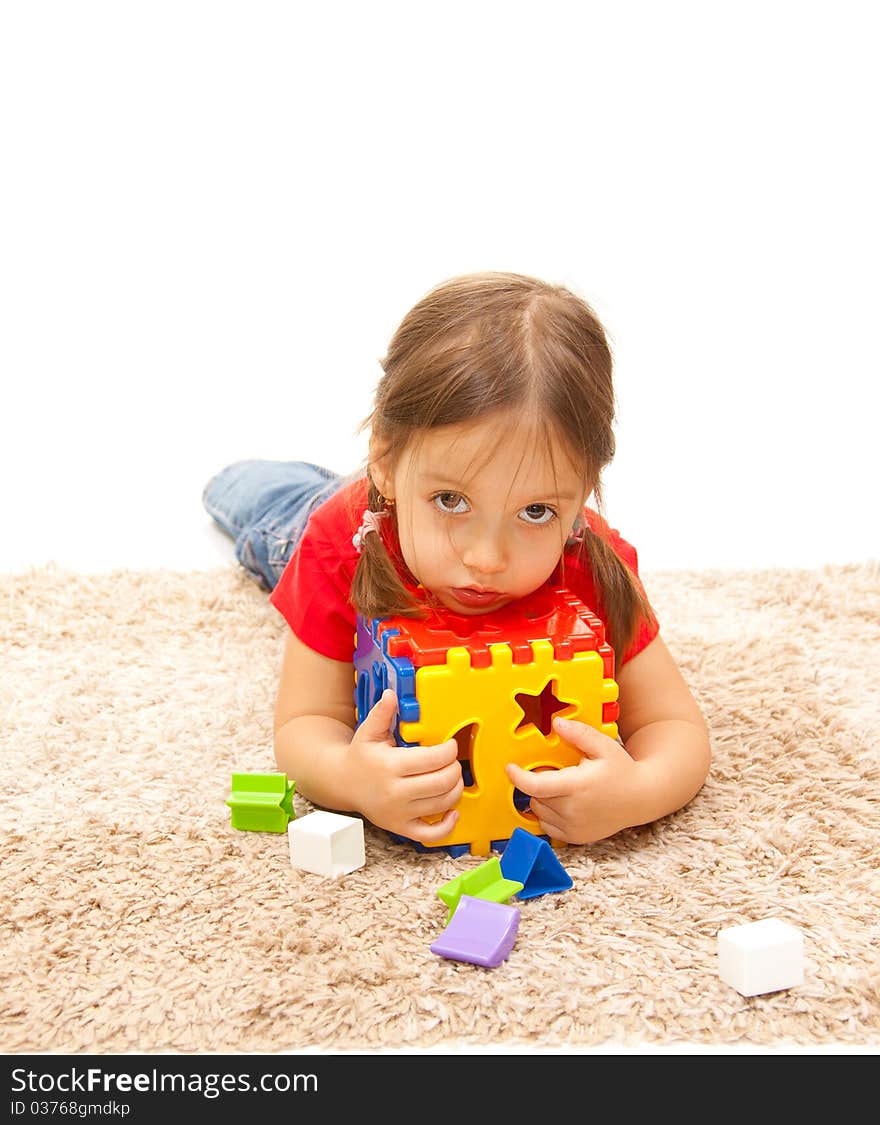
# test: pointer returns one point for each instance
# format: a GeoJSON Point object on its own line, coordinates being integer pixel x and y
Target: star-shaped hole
{"type": "Point", "coordinates": [538, 708]}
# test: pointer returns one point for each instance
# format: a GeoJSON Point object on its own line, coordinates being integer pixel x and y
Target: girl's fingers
{"type": "Point", "coordinates": [590, 742]}
{"type": "Point", "coordinates": [548, 821]}
{"type": "Point", "coordinates": [439, 802]}
{"type": "Point", "coordinates": [543, 784]}
{"type": "Point", "coordinates": [432, 833]}
{"type": "Point", "coordinates": [430, 786]}
{"type": "Point", "coordinates": [380, 718]}
{"type": "Point", "coordinates": [427, 759]}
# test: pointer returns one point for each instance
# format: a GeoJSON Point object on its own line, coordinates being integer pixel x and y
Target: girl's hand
{"type": "Point", "coordinates": [399, 785]}
{"type": "Point", "coordinates": [587, 802]}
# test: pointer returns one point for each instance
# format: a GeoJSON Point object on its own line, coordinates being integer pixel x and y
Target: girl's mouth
{"type": "Point", "coordinates": [475, 596]}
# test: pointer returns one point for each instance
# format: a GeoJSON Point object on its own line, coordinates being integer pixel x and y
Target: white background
{"type": "Point", "coordinates": [215, 214]}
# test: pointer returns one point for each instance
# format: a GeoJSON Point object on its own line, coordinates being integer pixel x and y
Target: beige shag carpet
{"type": "Point", "coordinates": [136, 920]}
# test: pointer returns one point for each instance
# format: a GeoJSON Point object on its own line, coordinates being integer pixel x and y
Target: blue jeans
{"type": "Point", "coordinates": [264, 507]}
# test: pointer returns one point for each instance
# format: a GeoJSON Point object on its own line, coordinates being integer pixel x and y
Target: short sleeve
{"type": "Point", "coordinates": [312, 595]}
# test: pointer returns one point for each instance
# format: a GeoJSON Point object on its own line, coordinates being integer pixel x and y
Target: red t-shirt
{"type": "Point", "coordinates": [312, 593]}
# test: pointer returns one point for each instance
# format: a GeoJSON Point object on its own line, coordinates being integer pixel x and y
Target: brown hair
{"type": "Point", "coordinates": [481, 343]}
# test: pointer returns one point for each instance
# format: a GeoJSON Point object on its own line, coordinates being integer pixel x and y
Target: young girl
{"type": "Point", "coordinates": [491, 425]}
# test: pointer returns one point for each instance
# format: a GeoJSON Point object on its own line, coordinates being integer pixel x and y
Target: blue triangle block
{"type": "Point", "coordinates": [531, 861]}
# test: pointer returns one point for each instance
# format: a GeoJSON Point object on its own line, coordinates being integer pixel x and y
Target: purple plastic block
{"type": "Point", "coordinates": [479, 931]}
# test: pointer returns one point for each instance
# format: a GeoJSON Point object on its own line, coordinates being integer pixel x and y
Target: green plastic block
{"type": "Point", "coordinates": [486, 881]}
{"type": "Point", "coordinates": [261, 802]}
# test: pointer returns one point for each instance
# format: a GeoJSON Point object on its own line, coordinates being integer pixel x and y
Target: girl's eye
{"type": "Point", "coordinates": [450, 503]}
{"type": "Point", "coordinates": [537, 514]}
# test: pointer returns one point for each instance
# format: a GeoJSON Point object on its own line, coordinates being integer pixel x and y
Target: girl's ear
{"type": "Point", "coordinates": [379, 467]}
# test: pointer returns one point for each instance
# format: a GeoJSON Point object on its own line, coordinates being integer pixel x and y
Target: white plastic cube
{"type": "Point", "coordinates": [326, 843]}
{"type": "Point", "coordinates": [760, 957]}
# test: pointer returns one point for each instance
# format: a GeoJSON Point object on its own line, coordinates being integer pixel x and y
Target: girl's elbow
{"type": "Point", "coordinates": [703, 752]}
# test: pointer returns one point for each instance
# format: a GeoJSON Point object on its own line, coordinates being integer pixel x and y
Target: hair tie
{"type": "Point", "coordinates": [576, 536]}
{"type": "Point", "coordinates": [370, 521]}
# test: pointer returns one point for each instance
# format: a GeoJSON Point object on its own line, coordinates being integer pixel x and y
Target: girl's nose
{"type": "Point", "coordinates": [485, 556]}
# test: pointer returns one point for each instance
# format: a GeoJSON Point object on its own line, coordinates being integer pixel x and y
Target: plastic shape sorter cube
{"type": "Point", "coordinates": [327, 843]}
{"type": "Point", "coordinates": [760, 957]}
{"type": "Point", "coordinates": [492, 682]}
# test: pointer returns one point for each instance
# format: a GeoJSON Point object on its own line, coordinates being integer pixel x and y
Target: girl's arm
{"type": "Point", "coordinates": [664, 731]}
{"type": "Point", "coordinates": [361, 771]}
{"type": "Point", "coordinates": [314, 724]}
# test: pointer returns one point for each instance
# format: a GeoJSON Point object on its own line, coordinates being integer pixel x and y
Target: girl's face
{"type": "Point", "coordinates": [483, 509]}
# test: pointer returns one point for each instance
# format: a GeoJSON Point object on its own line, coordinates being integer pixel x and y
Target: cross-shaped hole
{"type": "Point", "coordinates": [539, 708]}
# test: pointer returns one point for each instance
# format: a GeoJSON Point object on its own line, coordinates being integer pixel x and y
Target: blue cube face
{"type": "Point", "coordinates": [376, 671]}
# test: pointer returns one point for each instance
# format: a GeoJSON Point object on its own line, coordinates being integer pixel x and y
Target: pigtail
{"type": "Point", "coordinates": [377, 589]}
{"type": "Point", "coordinates": [624, 602]}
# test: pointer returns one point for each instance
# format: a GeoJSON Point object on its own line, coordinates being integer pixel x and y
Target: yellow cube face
{"type": "Point", "coordinates": [500, 714]}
